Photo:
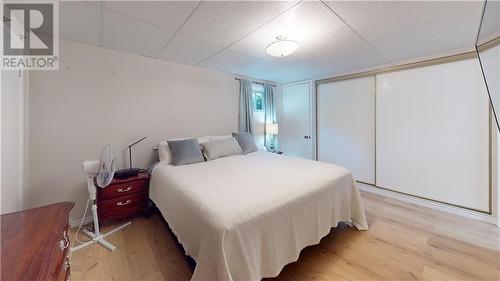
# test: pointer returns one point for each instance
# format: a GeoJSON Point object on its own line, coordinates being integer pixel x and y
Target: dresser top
{"type": "Point", "coordinates": [29, 240]}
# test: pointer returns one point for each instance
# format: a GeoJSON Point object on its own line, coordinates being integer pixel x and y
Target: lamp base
{"type": "Point", "coordinates": [126, 173]}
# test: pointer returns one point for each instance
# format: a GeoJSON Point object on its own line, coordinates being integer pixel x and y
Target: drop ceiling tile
{"type": "Point", "coordinates": [333, 65]}
{"type": "Point", "coordinates": [399, 30]}
{"type": "Point", "coordinates": [96, 3]}
{"type": "Point", "coordinates": [454, 32]}
{"type": "Point", "coordinates": [289, 75]}
{"type": "Point", "coordinates": [187, 50]}
{"type": "Point", "coordinates": [340, 50]}
{"type": "Point", "coordinates": [261, 69]}
{"type": "Point", "coordinates": [223, 22]}
{"type": "Point", "coordinates": [305, 23]}
{"type": "Point", "coordinates": [167, 14]}
{"type": "Point", "coordinates": [226, 60]}
{"type": "Point", "coordinates": [376, 19]}
{"type": "Point", "coordinates": [80, 21]}
{"type": "Point", "coordinates": [490, 28]}
{"type": "Point", "coordinates": [272, 71]}
{"type": "Point", "coordinates": [130, 35]}
{"type": "Point", "coordinates": [344, 52]}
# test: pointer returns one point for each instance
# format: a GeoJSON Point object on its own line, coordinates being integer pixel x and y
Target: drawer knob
{"type": "Point", "coordinates": [123, 203]}
{"type": "Point", "coordinates": [121, 190]}
{"type": "Point", "coordinates": [64, 243]}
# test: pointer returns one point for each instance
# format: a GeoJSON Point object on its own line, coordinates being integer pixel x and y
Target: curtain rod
{"type": "Point", "coordinates": [236, 78]}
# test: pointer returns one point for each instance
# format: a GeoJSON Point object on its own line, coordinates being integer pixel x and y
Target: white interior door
{"type": "Point", "coordinates": [297, 120]}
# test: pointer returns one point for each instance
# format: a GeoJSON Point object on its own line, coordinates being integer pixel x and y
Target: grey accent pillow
{"type": "Point", "coordinates": [245, 140]}
{"type": "Point", "coordinates": [220, 148]}
{"type": "Point", "coordinates": [185, 152]}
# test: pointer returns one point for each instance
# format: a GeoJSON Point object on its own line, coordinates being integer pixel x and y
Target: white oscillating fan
{"type": "Point", "coordinates": [102, 173]}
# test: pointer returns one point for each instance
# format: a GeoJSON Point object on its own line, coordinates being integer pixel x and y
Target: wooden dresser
{"type": "Point", "coordinates": [123, 198]}
{"type": "Point", "coordinates": [35, 244]}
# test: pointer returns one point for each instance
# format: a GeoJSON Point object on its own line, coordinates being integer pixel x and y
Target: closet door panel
{"type": "Point", "coordinates": [433, 133]}
{"type": "Point", "coordinates": [346, 126]}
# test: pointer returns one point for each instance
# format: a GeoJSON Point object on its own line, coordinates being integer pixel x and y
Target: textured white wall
{"type": "Point", "coordinates": [100, 96]}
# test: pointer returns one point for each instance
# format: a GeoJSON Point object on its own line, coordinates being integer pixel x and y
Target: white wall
{"type": "Point", "coordinates": [100, 96]}
{"type": "Point", "coordinates": [11, 141]}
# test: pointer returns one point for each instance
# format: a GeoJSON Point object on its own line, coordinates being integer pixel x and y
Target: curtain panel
{"type": "Point", "coordinates": [245, 116]}
{"type": "Point", "coordinates": [269, 115]}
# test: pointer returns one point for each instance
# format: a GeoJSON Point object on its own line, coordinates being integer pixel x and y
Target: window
{"type": "Point", "coordinates": [258, 97]}
{"type": "Point", "coordinates": [258, 101]}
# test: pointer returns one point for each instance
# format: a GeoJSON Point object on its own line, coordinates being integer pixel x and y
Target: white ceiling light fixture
{"type": "Point", "coordinates": [282, 47]}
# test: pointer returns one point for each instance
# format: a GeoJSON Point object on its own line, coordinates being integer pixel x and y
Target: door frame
{"type": "Point", "coordinates": [312, 114]}
{"type": "Point", "coordinates": [22, 132]}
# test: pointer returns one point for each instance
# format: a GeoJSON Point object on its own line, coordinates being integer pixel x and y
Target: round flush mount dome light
{"type": "Point", "coordinates": [282, 47]}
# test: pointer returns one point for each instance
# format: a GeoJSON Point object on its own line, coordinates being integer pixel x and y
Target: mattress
{"type": "Point", "coordinates": [245, 217]}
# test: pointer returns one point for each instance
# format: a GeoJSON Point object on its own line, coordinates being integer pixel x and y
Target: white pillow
{"type": "Point", "coordinates": [220, 148]}
{"type": "Point", "coordinates": [165, 155]}
{"type": "Point", "coordinates": [211, 138]}
{"type": "Point", "coordinates": [164, 152]}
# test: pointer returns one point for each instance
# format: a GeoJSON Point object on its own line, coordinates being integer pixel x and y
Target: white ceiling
{"type": "Point", "coordinates": [333, 37]}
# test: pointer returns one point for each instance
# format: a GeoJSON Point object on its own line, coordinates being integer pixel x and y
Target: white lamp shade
{"type": "Point", "coordinates": [272, 129]}
{"type": "Point", "coordinates": [282, 48]}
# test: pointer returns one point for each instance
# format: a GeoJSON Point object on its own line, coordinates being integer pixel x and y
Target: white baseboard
{"type": "Point", "coordinates": [76, 222]}
{"type": "Point", "coordinates": [431, 204]}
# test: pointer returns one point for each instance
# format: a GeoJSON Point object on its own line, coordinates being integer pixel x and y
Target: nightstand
{"type": "Point", "coordinates": [123, 198]}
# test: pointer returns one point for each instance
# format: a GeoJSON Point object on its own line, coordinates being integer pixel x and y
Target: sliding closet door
{"type": "Point", "coordinates": [433, 133]}
{"type": "Point", "coordinates": [346, 126]}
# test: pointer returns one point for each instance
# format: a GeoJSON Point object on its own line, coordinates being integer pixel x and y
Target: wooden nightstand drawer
{"type": "Point", "coordinates": [123, 198]}
{"type": "Point", "coordinates": [122, 204]}
{"type": "Point", "coordinates": [122, 189]}
{"type": "Point", "coordinates": [125, 213]}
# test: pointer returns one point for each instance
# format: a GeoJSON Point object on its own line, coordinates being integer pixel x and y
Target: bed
{"type": "Point", "coordinates": [244, 217]}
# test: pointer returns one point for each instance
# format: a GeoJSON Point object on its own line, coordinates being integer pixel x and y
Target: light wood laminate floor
{"type": "Point", "coordinates": [404, 242]}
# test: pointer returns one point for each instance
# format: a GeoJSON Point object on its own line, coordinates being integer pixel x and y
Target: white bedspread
{"type": "Point", "coordinates": [245, 217]}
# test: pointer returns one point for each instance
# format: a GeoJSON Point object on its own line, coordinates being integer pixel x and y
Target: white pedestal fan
{"type": "Point", "coordinates": [101, 172]}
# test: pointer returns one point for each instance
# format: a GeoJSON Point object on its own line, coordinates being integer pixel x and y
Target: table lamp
{"type": "Point", "coordinates": [272, 129]}
{"type": "Point", "coordinates": [130, 172]}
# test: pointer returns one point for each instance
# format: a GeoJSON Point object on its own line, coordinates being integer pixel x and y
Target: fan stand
{"type": "Point", "coordinates": [97, 236]}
